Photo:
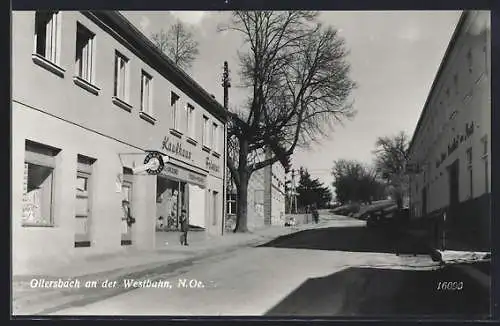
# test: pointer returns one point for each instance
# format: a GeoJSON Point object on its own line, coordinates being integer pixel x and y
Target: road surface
{"type": "Point", "coordinates": [344, 269]}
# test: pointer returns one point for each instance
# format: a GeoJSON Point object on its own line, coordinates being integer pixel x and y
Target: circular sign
{"type": "Point", "coordinates": [157, 159]}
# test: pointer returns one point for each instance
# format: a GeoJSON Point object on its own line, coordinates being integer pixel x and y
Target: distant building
{"type": "Point", "coordinates": [90, 96]}
{"type": "Point", "coordinates": [265, 201]}
{"type": "Point", "coordinates": [452, 143]}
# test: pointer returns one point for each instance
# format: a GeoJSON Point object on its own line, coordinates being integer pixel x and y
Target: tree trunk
{"type": "Point", "coordinates": [242, 187]}
{"type": "Point", "coordinates": [241, 212]}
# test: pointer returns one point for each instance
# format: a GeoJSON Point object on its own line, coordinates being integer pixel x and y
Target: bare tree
{"type": "Point", "coordinates": [357, 182]}
{"type": "Point", "coordinates": [178, 44]}
{"type": "Point", "coordinates": [299, 86]}
{"type": "Point", "coordinates": [391, 155]}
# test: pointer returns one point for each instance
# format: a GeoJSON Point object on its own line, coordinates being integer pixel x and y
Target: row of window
{"type": "Point", "coordinates": [441, 112]}
{"type": "Point", "coordinates": [47, 40]}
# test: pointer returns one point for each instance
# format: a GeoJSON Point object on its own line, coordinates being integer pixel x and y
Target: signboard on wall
{"type": "Point", "coordinates": [175, 147]}
{"type": "Point", "coordinates": [212, 166]}
{"type": "Point", "coordinates": [175, 172]}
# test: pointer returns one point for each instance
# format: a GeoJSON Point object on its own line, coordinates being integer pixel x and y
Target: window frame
{"type": "Point", "coordinates": [190, 126]}
{"type": "Point", "coordinates": [85, 169]}
{"type": "Point", "coordinates": [55, 21]}
{"type": "Point", "coordinates": [147, 77]}
{"type": "Point", "coordinates": [174, 100]}
{"type": "Point", "coordinates": [121, 79]}
{"type": "Point", "coordinates": [231, 203]}
{"type": "Point", "coordinates": [206, 133]}
{"type": "Point", "coordinates": [215, 207]}
{"type": "Point", "coordinates": [47, 161]}
{"type": "Point", "coordinates": [214, 137]}
{"type": "Point", "coordinates": [85, 70]}
{"type": "Point", "coordinates": [484, 157]}
{"type": "Point", "coordinates": [41, 60]}
{"type": "Point", "coordinates": [468, 161]}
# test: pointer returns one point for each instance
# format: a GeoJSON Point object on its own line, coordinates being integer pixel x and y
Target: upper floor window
{"type": "Point", "coordinates": [84, 58]}
{"type": "Point", "coordinates": [214, 137]}
{"type": "Point", "coordinates": [47, 34]}
{"type": "Point", "coordinates": [121, 77]}
{"type": "Point", "coordinates": [206, 127]}
{"type": "Point", "coordinates": [146, 92]}
{"type": "Point", "coordinates": [174, 99]}
{"type": "Point", "coordinates": [190, 127]}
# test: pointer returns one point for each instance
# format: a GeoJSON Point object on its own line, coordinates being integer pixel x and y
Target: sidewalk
{"type": "Point", "coordinates": [134, 264]}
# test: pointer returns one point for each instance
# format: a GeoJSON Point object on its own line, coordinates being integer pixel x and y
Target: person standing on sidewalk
{"type": "Point", "coordinates": [315, 215]}
{"type": "Point", "coordinates": [184, 221]}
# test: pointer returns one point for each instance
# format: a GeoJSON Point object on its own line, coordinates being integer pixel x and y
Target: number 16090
{"type": "Point", "coordinates": [450, 286]}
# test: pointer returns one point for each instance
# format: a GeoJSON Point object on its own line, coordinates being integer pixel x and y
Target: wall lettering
{"type": "Point", "coordinates": [175, 148]}
{"type": "Point", "coordinates": [455, 142]}
{"type": "Point", "coordinates": [211, 166]}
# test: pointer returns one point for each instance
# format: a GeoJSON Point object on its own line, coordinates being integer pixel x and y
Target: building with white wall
{"type": "Point", "coordinates": [452, 142]}
{"type": "Point", "coordinates": [90, 96]}
{"type": "Point", "coordinates": [265, 201]}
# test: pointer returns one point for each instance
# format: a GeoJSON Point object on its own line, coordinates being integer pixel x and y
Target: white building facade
{"type": "Point", "coordinates": [91, 95]}
{"type": "Point", "coordinates": [265, 201]}
{"type": "Point", "coordinates": [452, 142]}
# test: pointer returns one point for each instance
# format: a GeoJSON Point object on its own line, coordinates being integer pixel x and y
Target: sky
{"type": "Point", "coordinates": [394, 57]}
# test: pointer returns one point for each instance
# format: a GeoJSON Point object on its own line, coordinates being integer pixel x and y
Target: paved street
{"type": "Point", "coordinates": [340, 269]}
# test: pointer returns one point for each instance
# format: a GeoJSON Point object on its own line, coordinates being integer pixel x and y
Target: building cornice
{"type": "Point", "coordinates": [451, 45]}
{"type": "Point", "coordinates": [158, 60]}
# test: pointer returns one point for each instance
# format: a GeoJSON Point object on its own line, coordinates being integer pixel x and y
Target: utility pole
{"type": "Point", "coordinates": [226, 84]}
{"type": "Point", "coordinates": [294, 197]}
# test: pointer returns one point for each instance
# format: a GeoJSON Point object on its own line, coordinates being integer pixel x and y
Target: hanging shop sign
{"type": "Point", "coordinates": [175, 148]}
{"type": "Point", "coordinates": [175, 172]}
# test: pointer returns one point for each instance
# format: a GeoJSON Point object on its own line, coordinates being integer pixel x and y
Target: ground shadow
{"type": "Point", "coordinates": [354, 239]}
{"type": "Point", "coordinates": [371, 292]}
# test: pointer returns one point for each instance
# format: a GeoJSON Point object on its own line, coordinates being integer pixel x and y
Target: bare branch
{"type": "Point", "coordinates": [178, 44]}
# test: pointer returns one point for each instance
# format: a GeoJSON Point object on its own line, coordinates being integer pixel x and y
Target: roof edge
{"type": "Point", "coordinates": [150, 50]}
{"type": "Point", "coordinates": [451, 45]}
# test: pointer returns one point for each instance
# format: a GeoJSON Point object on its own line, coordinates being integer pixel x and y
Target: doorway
{"type": "Point", "coordinates": [424, 201]}
{"type": "Point", "coordinates": [126, 228]}
{"type": "Point", "coordinates": [453, 187]}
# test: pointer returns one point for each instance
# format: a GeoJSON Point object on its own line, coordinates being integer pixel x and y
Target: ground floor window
{"type": "Point", "coordinates": [231, 204]}
{"type": "Point", "coordinates": [38, 185]}
{"type": "Point", "coordinates": [171, 198]}
{"type": "Point", "coordinates": [215, 212]}
{"type": "Point", "coordinates": [469, 172]}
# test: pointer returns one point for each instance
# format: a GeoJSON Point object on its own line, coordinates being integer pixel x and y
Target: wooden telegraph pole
{"type": "Point", "coordinates": [226, 84]}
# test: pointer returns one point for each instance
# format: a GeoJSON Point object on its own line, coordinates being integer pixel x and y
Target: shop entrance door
{"type": "Point", "coordinates": [126, 234]}
{"type": "Point", "coordinates": [424, 201]}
